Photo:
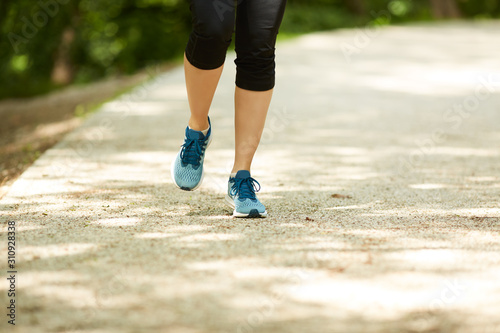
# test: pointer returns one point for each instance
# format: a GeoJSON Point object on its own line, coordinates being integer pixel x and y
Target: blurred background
{"type": "Point", "coordinates": [52, 43]}
{"type": "Point", "coordinates": [85, 52]}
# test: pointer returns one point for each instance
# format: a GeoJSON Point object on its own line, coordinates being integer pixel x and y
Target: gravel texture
{"type": "Point", "coordinates": [380, 172]}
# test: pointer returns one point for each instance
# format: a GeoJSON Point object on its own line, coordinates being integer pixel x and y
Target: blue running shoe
{"type": "Point", "coordinates": [187, 168]}
{"type": "Point", "coordinates": [241, 196]}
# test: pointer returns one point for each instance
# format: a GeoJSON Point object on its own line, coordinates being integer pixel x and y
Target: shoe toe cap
{"type": "Point", "coordinates": [248, 206]}
{"type": "Point", "coordinates": [186, 176]}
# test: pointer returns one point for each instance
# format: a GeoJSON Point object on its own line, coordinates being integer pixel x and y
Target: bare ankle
{"type": "Point", "coordinates": [198, 125]}
{"type": "Point", "coordinates": [238, 168]}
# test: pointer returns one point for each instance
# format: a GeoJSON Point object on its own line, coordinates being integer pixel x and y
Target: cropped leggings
{"type": "Point", "coordinates": [255, 23]}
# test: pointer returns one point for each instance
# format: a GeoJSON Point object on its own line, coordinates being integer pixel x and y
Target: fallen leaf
{"type": "Point", "coordinates": [337, 269]}
{"type": "Point", "coordinates": [341, 196]}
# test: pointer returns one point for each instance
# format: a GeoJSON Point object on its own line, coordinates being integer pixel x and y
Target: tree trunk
{"type": "Point", "coordinates": [4, 10]}
{"type": "Point", "coordinates": [356, 6]}
{"type": "Point", "coordinates": [445, 9]}
{"type": "Point", "coordinates": [63, 72]}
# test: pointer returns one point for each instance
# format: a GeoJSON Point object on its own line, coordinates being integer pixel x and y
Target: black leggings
{"type": "Point", "coordinates": [257, 23]}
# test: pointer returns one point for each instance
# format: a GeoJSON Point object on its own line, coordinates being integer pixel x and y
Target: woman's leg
{"type": "Point", "coordinates": [203, 62]}
{"type": "Point", "coordinates": [257, 25]}
{"type": "Point", "coordinates": [200, 86]}
{"type": "Point", "coordinates": [250, 116]}
{"type": "Point", "coordinates": [205, 55]}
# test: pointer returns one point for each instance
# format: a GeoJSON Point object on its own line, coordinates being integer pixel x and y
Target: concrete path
{"type": "Point", "coordinates": [380, 168]}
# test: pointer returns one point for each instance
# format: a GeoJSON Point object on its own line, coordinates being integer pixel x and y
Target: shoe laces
{"type": "Point", "coordinates": [245, 188]}
{"type": "Point", "coordinates": [191, 152]}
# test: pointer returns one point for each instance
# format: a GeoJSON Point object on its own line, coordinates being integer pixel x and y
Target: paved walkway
{"type": "Point", "coordinates": [380, 166]}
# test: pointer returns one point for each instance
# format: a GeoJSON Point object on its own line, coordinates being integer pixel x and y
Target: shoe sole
{"type": "Point", "coordinates": [202, 171]}
{"type": "Point", "coordinates": [254, 213]}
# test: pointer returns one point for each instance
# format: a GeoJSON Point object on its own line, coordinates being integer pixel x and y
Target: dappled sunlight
{"type": "Point", "coordinates": [208, 237]}
{"type": "Point", "coordinates": [155, 235]}
{"type": "Point", "coordinates": [318, 247]}
{"type": "Point", "coordinates": [420, 79]}
{"type": "Point", "coordinates": [128, 108]}
{"type": "Point", "coordinates": [428, 186]}
{"type": "Point", "coordinates": [28, 252]}
{"type": "Point", "coordinates": [189, 228]}
{"type": "Point", "coordinates": [80, 296]}
{"type": "Point", "coordinates": [432, 72]}
{"type": "Point", "coordinates": [363, 206]}
{"type": "Point", "coordinates": [59, 285]}
{"type": "Point", "coordinates": [5, 229]}
{"type": "Point", "coordinates": [483, 179]}
{"type": "Point", "coordinates": [117, 222]}
{"type": "Point", "coordinates": [472, 212]}
{"type": "Point", "coordinates": [356, 174]}
{"type": "Point", "coordinates": [40, 133]}
{"type": "Point", "coordinates": [230, 266]}
{"type": "Point", "coordinates": [356, 160]}
{"type": "Point", "coordinates": [158, 158]}
{"type": "Point", "coordinates": [431, 257]}
{"type": "Point", "coordinates": [220, 217]}
{"type": "Point", "coordinates": [351, 296]}
{"type": "Point", "coordinates": [462, 151]}
{"type": "Point", "coordinates": [293, 225]}
{"type": "Point", "coordinates": [490, 212]}
{"type": "Point", "coordinates": [176, 90]}
{"type": "Point", "coordinates": [35, 279]}
{"type": "Point", "coordinates": [254, 272]}
{"type": "Point", "coordinates": [371, 219]}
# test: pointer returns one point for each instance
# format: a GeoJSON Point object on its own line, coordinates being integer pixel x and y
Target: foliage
{"type": "Point", "coordinates": [109, 36]}
{"type": "Point", "coordinates": [303, 18]}
{"type": "Point", "coordinates": [89, 39]}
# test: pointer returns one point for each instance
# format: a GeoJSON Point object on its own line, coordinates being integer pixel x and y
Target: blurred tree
{"type": "Point", "coordinates": [356, 6]}
{"type": "Point", "coordinates": [445, 9]}
{"type": "Point", "coordinates": [63, 70]}
{"type": "Point", "coordinates": [4, 5]}
{"type": "Point", "coordinates": [51, 43]}
{"type": "Point", "coordinates": [480, 8]}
